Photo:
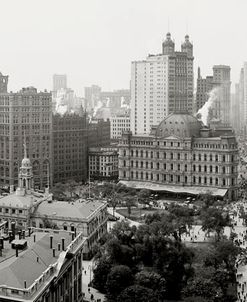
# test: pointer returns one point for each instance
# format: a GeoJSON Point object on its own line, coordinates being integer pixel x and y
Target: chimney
{"type": "Point", "coordinates": [63, 245]}
{"type": "Point", "coordinates": [23, 234]}
{"type": "Point", "coordinates": [16, 251]}
{"type": "Point", "coordinates": [54, 252]}
{"type": "Point", "coordinates": [34, 238]}
{"type": "Point", "coordinates": [59, 246]}
{"type": "Point", "coordinates": [51, 241]}
{"type": "Point", "coordinates": [29, 231]}
{"type": "Point", "coordinates": [25, 284]}
{"type": "Point", "coordinates": [37, 259]}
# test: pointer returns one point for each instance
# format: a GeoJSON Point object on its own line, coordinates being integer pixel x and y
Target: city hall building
{"type": "Point", "coordinates": [181, 156]}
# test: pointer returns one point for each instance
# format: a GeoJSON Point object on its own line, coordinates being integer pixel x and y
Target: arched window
{"type": "Point", "coordinates": [223, 158]}
{"type": "Point", "coordinates": [216, 169]}
{"type": "Point", "coordinates": [141, 175]}
{"type": "Point", "coordinates": [146, 175]}
{"type": "Point", "coordinates": [132, 153]}
{"type": "Point", "coordinates": [210, 157]}
{"type": "Point", "coordinates": [141, 153]}
{"type": "Point", "coordinates": [171, 155]}
{"type": "Point", "coordinates": [136, 175]}
{"type": "Point", "coordinates": [141, 164]}
{"type": "Point", "coordinates": [164, 155]}
{"type": "Point", "coordinates": [210, 169]}
{"type": "Point", "coordinates": [186, 179]}
{"type": "Point", "coordinates": [124, 152]}
{"type": "Point", "coordinates": [205, 168]}
{"type": "Point", "coordinates": [210, 180]}
{"type": "Point", "coordinates": [132, 174]}
{"type": "Point", "coordinates": [205, 157]}
{"type": "Point", "coordinates": [146, 164]}
{"type": "Point", "coordinates": [157, 166]}
{"type": "Point", "coordinates": [205, 180]}
{"type": "Point", "coordinates": [194, 168]}
{"type": "Point", "coordinates": [216, 181]}
{"type": "Point", "coordinates": [199, 157]}
{"type": "Point", "coordinates": [132, 163]}
{"type": "Point", "coordinates": [124, 163]}
{"type": "Point", "coordinates": [194, 179]}
{"type": "Point", "coordinates": [185, 168]}
{"type": "Point", "coordinates": [199, 168]}
{"type": "Point", "coordinates": [194, 157]}
{"type": "Point", "coordinates": [136, 153]}
{"type": "Point", "coordinates": [146, 154]}
{"type": "Point", "coordinates": [178, 156]}
{"type": "Point", "coordinates": [216, 157]}
{"type": "Point", "coordinates": [136, 164]}
{"type": "Point", "coordinates": [223, 170]}
{"type": "Point", "coordinates": [199, 179]}
{"type": "Point", "coordinates": [223, 182]}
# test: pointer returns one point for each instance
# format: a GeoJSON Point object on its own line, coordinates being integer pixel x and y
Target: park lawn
{"type": "Point", "coordinates": [138, 214]}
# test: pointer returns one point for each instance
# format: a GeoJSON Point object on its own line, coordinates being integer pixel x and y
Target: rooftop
{"type": "Point", "coordinates": [76, 210]}
{"type": "Point", "coordinates": [13, 270]}
{"type": "Point", "coordinates": [18, 201]}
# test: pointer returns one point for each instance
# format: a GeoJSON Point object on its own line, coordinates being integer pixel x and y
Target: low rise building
{"type": "Point", "coordinates": [42, 265]}
{"type": "Point", "coordinates": [103, 163]}
{"type": "Point", "coordinates": [181, 156]}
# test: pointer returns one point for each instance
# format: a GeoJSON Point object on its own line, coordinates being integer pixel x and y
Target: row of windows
{"type": "Point", "coordinates": [178, 156]}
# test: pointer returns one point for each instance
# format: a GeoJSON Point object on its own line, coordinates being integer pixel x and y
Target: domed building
{"type": "Point", "coordinates": [181, 156]}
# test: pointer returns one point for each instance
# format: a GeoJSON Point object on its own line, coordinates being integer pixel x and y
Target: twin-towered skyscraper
{"type": "Point", "coordinates": [161, 84]}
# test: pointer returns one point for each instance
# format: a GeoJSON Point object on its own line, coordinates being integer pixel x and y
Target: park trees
{"type": "Point", "coordinates": [137, 293]}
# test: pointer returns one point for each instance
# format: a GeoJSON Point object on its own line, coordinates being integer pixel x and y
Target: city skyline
{"type": "Point", "coordinates": [94, 42]}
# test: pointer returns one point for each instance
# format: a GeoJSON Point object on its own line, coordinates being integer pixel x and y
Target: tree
{"type": "Point", "coordinates": [101, 272]}
{"type": "Point", "coordinates": [152, 280]}
{"type": "Point", "coordinates": [119, 277]}
{"type": "Point", "coordinates": [214, 220]}
{"type": "Point", "coordinates": [137, 293]}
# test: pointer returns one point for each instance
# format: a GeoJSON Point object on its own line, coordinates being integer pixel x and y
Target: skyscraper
{"type": "Point", "coordinates": [59, 81]}
{"type": "Point", "coordinates": [221, 107]}
{"type": "Point", "coordinates": [161, 84]}
{"type": "Point", "coordinates": [92, 96]}
{"type": "Point", "coordinates": [203, 87]}
{"type": "Point", "coordinates": [27, 113]}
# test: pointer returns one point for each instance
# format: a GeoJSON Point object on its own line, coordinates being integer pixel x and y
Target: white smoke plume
{"type": "Point", "coordinates": [124, 104]}
{"type": "Point", "coordinates": [97, 107]}
{"type": "Point", "coordinates": [203, 112]}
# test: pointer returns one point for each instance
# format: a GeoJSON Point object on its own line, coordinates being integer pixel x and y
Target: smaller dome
{"type": "Point", "coordinates": [187, 43]}
{"type": "Point", "coordinates": [26, 162]}
{"type": "Point", "coordinates": [168, 41]}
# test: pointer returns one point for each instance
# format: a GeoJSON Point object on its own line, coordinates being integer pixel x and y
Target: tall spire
{"type": "Point", "coordinates": [25, 146]}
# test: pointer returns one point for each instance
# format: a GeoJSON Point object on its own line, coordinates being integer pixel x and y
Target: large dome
{"type": "Point", "coordinates": [179, 124]}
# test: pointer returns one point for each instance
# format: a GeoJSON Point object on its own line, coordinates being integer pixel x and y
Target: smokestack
{"type": "Point", "coordinates": [54, 252]}
{"type": "Point", "coordinates": [16, 251]}
{"type": "Point", "coordinates": [51, 241]}
{"type": "Point", "coordinates": [63, 245]}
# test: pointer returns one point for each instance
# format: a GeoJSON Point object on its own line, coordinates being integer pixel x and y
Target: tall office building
{"type": "Point", "coordinates": [221, 107]}
{"type": "Point", "coordinates": [92, 96]}
{"type": "Point", "coordinates": [161, 84]}
{"type": "Point", "coordinates": [26, 114]}
{"type": "Point", "coordinates": [59, 82]}
{"type": "Point", "coordinates": [203, 87]}
{"type": "Point", "coordinates": [3, 83]}
{"type": "Point", "coordinates": [70, 147]}
{"type": "Point", "coordinates": [241, 93]}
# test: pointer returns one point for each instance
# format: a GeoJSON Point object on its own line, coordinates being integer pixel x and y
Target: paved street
{"type": "Point", "coordinates": [91, 294]}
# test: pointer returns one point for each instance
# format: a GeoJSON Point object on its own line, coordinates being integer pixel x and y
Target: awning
{"type": "Point", "coordinates": [174, 189]}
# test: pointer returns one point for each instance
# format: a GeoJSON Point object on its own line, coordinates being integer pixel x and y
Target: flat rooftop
{"type": "Point", "coordinates": [80, 209]}
{"type": "Point", "coordinates": [15, 270]}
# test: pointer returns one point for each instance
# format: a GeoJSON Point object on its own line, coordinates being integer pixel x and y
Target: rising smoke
{"type": "Point", "coordinates": [204, 111]}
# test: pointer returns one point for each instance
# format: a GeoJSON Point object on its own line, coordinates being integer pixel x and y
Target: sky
{"type": "Point", "coordinates": [94, 41]}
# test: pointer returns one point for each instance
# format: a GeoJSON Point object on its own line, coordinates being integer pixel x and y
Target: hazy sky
{"type": "Point", "coordinates": [94, 41]}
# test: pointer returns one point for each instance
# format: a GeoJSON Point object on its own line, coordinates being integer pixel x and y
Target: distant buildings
{"type": "Point", "coordinates": [221, 107]}
{"type": "Point", "coordinates": [203, 87]}
{"type": "Point", "coordinates": [181, 157]}
{"type": "Point", "coordinates": [115, 98]}
{"type": "Point", "coordinates": [98, 133]}
{"type": "Point", "coordinates": [103, 163]}
{"type": "Point", "coordinates": [27, 113]}
{"type": "Point", "coordinates": [3, 83]}
{"type": "Point", "coordinates": [59, 82]}
{"type": "Point", "coordinates": [161, 84]}
{"type": "Point", "coordinates": [42, 265]}
{"type": "Point", "coordinates": [92, 96]}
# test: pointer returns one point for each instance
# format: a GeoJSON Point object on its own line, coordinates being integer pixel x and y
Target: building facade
{"type": "Point", "coordinates": [119, 124]}
{"type": "Point", "coordinates": [161, 84]}
{"type": "Point", "coordinates": [70, 147]}
{"type": "Point", "coordinates": [221, 107]}
{"type": "Point", "coordinates": [103, 163]}
{"type": "Point", "coordinates": [27, 113]}
{"type": "Point", "coordinates": [203, 87]}
{"type": "Point", "coordinates": [59, 82]}
{"type": "Point", "coordinates": [181, 156]}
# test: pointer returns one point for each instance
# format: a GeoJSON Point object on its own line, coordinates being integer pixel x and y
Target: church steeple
{"type": "Point", "coordinates": [25, 178]}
